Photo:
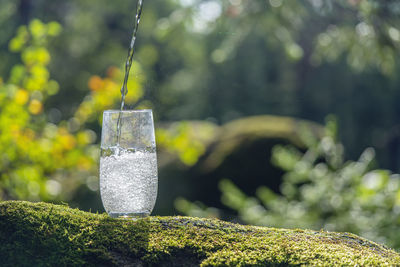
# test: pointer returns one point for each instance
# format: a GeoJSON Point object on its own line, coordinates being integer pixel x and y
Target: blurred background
{"type": "Point", "coordinates": [268, 112]}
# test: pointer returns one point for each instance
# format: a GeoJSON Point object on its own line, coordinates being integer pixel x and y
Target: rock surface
{"type": "Point", "coordinates": [41, 234]}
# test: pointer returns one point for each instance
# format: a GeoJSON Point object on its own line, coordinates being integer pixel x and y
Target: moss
{"type": "Point", "coordinates": [41, 234]}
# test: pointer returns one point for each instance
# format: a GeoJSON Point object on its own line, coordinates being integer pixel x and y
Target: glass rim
{"type": "Point", "coordinates": [127, 111]}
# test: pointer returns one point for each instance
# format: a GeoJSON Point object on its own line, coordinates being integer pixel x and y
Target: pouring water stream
{"type": "Point", "coordinates": [128, 65]}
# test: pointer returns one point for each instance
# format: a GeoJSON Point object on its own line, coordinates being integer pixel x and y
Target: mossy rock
{"type": "Point", "coordinates": [41, 234]}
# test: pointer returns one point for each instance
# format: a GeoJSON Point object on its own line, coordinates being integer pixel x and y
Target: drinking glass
{"type": "Point", "coordinates": [128, 166]}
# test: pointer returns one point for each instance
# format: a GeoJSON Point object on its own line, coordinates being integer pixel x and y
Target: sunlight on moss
{"type": "Point", "coordinates": [46, 234]}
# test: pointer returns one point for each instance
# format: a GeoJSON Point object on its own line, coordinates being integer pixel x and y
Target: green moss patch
{"type": "Point", "coordinates": [41, 234]}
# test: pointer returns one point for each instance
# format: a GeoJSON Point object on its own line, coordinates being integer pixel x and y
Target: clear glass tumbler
{"type": "Point", "coordinates": [128, 170]}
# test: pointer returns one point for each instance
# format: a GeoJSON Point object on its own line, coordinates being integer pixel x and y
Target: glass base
{"type": "Point", "coordinates": [128, 215]}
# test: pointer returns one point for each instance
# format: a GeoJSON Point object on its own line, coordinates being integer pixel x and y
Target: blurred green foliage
{"type": "Point", "coordinates": [320, 190]}
{"type": "Point", "coordinates": [40, 159]}
{"type": "Point", "coordinates": [31, 148]}
{"type": "Point", "coordinates": [187, 140]}
{"type": "Point", "coordinates": [373, 42]}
